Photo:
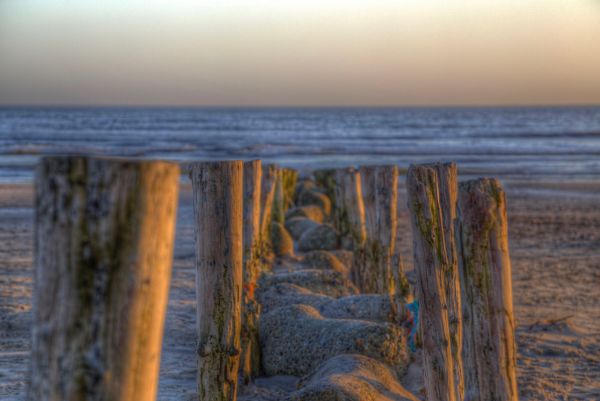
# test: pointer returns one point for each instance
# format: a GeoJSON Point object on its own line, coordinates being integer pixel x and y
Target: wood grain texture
{"type": "Point", "coordinates": [218, 209]}
{"type": "Point", "coordinates": [432, 265]}
{"type": "Point", "coordinates": [447, 177]}
{"type": "Point", "coordinates": [267, 199]}
{"type": "Point", "coordinates": [380, 199]}
{"type": "Point", "coordinates": [279, 198]}
{"type": "Point", "coordinates": [250, 358]}
{"type": "Point", "coordinates": [349, 210]}
{"type": "Point", "coordinates": [103, 251]}
{"type": "Point", "coordinates": [485, 269]}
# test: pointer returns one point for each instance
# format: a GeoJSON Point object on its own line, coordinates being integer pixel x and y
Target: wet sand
{"type": "Point", "coordinates": [554, 234]}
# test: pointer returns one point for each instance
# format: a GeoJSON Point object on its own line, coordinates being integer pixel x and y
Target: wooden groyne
{"type": "Point", "coordinates": [463, 285]}
{"type": "Point", "coordinates": [332, 307]}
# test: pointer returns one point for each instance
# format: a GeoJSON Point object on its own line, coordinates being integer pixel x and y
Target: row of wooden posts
{"type": "Point", "coordinates": [464, 285]}
{"type": "Point", "coordinates": [104, 244]}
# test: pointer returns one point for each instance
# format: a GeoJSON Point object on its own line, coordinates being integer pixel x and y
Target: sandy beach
{"type": "Point", "coordinates": [555, 249]}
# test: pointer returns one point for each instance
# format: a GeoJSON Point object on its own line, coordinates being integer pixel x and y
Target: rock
{"type": "Point", "coordinates": [344, 256]}
{"type": "Point", "coordinates": [306, 198]}
{"type": "Point", "coordinates": [352, 377]}
{"type": "Point", "coordinates": [321, 237]}
{"type": "Point", "coordinates": [325, 282]}
{"type": "Point", "coordinates": [373, 307]}
{"type": "Point", "coordinates": [296, 339]}
{"type": "Point", "coordinates": [312, 212]}
{"type": "Point", "coordinates": [324, 260]}
{"type": "Point", "coordinates": [297, 226]}
{"type": "Point", "coordinates": [282, 242]}
{"type": "Point", "coordinates": [285, 294]}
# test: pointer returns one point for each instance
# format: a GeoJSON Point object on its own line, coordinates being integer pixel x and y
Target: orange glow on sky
{"type": "Point", "coordinates": [287, 52]}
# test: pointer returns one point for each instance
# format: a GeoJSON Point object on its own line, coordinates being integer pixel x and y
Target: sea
{"type": "Point", "coordinates": [516, 143]}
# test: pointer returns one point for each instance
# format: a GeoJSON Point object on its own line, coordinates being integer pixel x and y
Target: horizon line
{"type": "Point", "coordinates": [300, 106]}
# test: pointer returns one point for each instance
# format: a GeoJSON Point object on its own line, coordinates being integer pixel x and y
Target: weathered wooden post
{"type": "Point", "coordinates": [349, 210]}
{"type": "Point", "coordinates": [289, 179]}
{"type": "Point", "coordinates": [267, 198]}
{"type": "Point", "coordinates": [447, 175]}
{"type": "Point", "coordinates": [218, 208]}
{"type": "Point", "coordinates": [380, 194]}
{"type": "Point", "coordinates": [489, 344]}
{"type": "Point", "coordinates": [250, 359]}
{"type": "Point", "coordinates": [325, 179]}
{"type": "Point", "coordinates": [432, 203]}
{"type": "Point", "coordinates": [279, 198]}
{"type": "Point", "coordinates": [103, 250]}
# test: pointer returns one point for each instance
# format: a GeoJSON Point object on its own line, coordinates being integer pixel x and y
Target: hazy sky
{"type": "Point", "coordinates": [304, 52]}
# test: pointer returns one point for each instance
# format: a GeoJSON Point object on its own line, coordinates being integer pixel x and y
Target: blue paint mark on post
{"type": "Point", "coordinates": [413, 308]}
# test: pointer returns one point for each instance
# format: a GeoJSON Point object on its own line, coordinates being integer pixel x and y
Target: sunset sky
{"type": "Point", "coordinates": [306, 53]}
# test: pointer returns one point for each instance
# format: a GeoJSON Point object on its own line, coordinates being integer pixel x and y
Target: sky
{"type": "Point", "coordinates": [299, 52]}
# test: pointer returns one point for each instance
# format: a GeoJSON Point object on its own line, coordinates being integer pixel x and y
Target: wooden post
{"type": "Point", "coordinates": [267, 197]}
{"type": "Point", "coordinates": [325, 180]}
{"type": "Point", "coordinates": [289, 179]}
{"type": "Point", "coordinates": [349, 210]}
{"type": "Point", "coordinates": [103, 250]}
{"type": "Point", "coordinates": [278, 199]}
{"type": "Point", "coordinates": [218, 208]}
{"type": "Point", "coordinates": [489, 344]}
{"type": "Point", "coordinates": [432, 202]}
{"type": "Point", "coordinates": [250, 359]}
{"type": "Point", "coordinates": [251, 224]}
{"type": "Point", "coordinates": [380, 194]}
{"type": "Point", "coordinates": [447, 175]}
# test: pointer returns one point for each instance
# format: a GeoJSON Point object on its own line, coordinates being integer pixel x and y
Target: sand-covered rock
{"type": "Point", "coordinates": [282, 242]}
{"type": "Point", "coordinates": [373, 307]}
{"type": "Point", "coordinates": [325, 282]}
{"type": "Point", "coordinates": [351, 377]}
{"type": "Point", "coordinates": [323, 260]}
{"type": "Point", "coordinates": [306, 198]}
{"type": "Point", "coordinates": [297, 338]}
{"type": "Point", "coordinates": [297, 226]}
{"type": "Point", "coordinates": [312, 212]}
{"type": "Point", "coordinates": [286, 294]}
{"type": "Point", "coordinates": [322, 237]}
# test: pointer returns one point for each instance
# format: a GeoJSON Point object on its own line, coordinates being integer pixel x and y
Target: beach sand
{"type": "Point", "coordinates": [554, 239]}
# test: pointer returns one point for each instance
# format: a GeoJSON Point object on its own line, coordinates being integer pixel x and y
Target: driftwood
{"type": "Point", "coordinates": [489, 344]}
{"type": "Point", "coordinates": [250, 359]}
{"type": "Point", "coordinates": [103, 250]}
{"type": "Point", "coordinates": [431, 209]}
{"type": "Point", "coordinates": [380, 195]}
{"type": "Point", "coordinates": [218, 207]}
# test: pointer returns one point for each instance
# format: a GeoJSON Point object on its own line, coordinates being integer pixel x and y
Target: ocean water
{"type": "Point", "coordinates": [510, 143]}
